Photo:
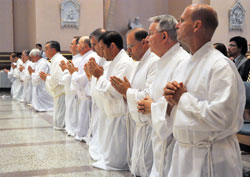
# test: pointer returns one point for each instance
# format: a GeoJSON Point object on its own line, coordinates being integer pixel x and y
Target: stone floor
{"type": "Point", "coordinates": [30, 147]}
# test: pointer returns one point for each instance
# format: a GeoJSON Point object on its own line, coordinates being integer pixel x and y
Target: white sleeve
{"type": "Point", "coordinates": [52, 81]}
{"type": "Point", "coordinates": [222, 110]}
{"type": "Point", "coordinates": [161, 122]}
{"type": "Point", "coordinates": [35, 75]}
{"type": "Point", "coordinates": [65, 78]}
{"type": "Point", "coordinates": [104, 85]}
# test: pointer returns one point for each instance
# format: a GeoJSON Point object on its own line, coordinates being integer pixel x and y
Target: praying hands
{"type": "Point", "coordinates": [94, 69]}
{"type": "Point", "coordinates": [6, 70]}
{"type": "Point", "coordinates": [71, 68]}
{"type": "Point", "coordinates": [173, 92]}
{"type": "Point", "coordinates": [43, 75]}
{"type": "Point", "coordinates": [120, 85]}
{"type": "Point", "coordinates": [86, 69]}
{"type": "Point", "coordinates": [144, 106]}
{"type": "Point", "coordinates": [30, 70]}
{"type": "Point", "coordinates": [63, 65]}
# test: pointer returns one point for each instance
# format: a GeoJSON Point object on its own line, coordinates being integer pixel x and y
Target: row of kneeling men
{"type": "Point", "coordinates": [163, 112]}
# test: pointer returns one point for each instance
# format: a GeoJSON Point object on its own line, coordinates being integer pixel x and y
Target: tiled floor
{"type": "Point", "coordinates": [30, 147]}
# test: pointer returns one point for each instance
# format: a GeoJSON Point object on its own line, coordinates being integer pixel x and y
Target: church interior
{"type": "Point", "coordinates": [29, 145]}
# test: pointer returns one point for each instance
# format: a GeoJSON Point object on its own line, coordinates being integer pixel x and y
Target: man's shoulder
{"type": "Point", "coordinates": [60, 57]}
{"type": "Point", "coordinates": [43, 61]}
{"type": "Point", "coordinates": [183, 53]}
{"type": "Point", "coordinates": [243, 59]}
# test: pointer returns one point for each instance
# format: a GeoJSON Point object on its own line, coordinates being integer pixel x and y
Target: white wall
{"type": "Point", "coordinates": [6, 29]}
{"type": "Point", "coordinates": [222, 33]}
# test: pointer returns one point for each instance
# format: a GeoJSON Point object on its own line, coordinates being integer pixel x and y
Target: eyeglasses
{"type": "Point", "coordinates": [151, 33]}
{"type": "Point", "coordinates": [232, 45]}
{"type": "Point", "coordinates": [129, 46]}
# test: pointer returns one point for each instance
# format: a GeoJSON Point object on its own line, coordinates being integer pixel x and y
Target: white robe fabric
{"type": "Point", "coordinates": [27, 85]}
{"type": "Point", "coordinates": [113, 115]}
{"type": "Point", "coordinates": [57, 90]}
{"type": "Point", "coordinates": [71, 100]}
{"type": "Point", "coordinates": [139, 129]}
{"type": "Point", "coordinates": [96, 118]}
{"type": "Point", "coordinates": [17, 84]}
{"type": "Point", "coordinates": [94, 108]}
{"type": "Point", "coordinates": [208, 116]}
{"type": "Point", "coordinates": [41, 100]}
{"type": "Point", "coordinates": [80, 83]}
{"type": "Point", "coordinates": [162, 138]}
{"type": "Point", "coordinates": [11, 78]}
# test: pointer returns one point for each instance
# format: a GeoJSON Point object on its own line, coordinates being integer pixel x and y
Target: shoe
{"type": "Point", "coordinates": [58, 128]}
{"type": "Point", "coordinates": [79, 138]}
{"type": "Point", "coordinates": [86, 140]}
{"type": "Point", "coordinates": [70, 134]}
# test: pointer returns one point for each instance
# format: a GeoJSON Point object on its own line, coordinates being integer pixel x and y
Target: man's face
{"type": "Point", "coordinates": [24, 57]}
{"type": "Point", "coordinates": [73, 46]}
{"type": "Point", "coordinates": [185, 27]}
{"type": "Point", "coordinates": [81, 46]}
{"type": "Point", "coordinates": [49, 51]}
{"type": "Point", "coordinates": [134, 47]}
{"type": "Point", "coordinates": [154, 38]}
{"type": "Point", "coordinates": [34, 58]}
{"type": "Point", "coordinates": [106, 51]}
{"type": "Point", "coordinates": [95, 46]}
{"type": "Point", "coordinates": [15, 59]}
{"type": "Point", "coordinates": [233, 50]}
{"type": "Point", "coordinates": [11, 59]}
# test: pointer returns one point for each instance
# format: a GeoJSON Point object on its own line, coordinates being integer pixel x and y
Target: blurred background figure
{"type": "Point", "coordinates": [221, 47]}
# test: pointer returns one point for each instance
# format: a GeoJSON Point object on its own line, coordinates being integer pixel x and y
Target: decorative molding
{"type": "Point", "coordinates": [237, 17]}
{"type": "Point", "coordinates": [70, 13]}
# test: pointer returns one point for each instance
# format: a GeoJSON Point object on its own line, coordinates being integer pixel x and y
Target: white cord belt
{"type": "Point", "coordinates": [207, 145]}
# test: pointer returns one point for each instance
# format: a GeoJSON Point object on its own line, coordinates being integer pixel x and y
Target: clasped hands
{"type": "Point", "coordinates": [43, 75]}
{"type": "Point", "coordinates": [120, 85]}
{"type": "Point", "coordinates": [30, 70]}
{"type": "Point", "coordinates": [172, 93]}
{"type": "Point", "coordinates": [63, 65]}
{"type": "Point", "coordinates": [69, 66]}
{"type": "Point", "coordinates": [93, 69]}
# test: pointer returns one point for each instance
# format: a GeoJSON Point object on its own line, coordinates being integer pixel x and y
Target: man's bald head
{"type": "Point", "coordinates": [139, 33]}
{"type": "Point", "coordinates": [84, 45]}
{"type": "Point", "coordinates": [206, 14]}
{"type": "Point", "coordinates": [136, 43]}
{"type": "Point", "coordinates": [196, 26]}
{"type": "Point", "coordinates": [86, 40]}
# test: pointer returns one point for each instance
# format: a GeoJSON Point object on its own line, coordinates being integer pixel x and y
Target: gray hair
{"type": "Point", "coordinates": [86, 40]}
{"type": "Point", "coordinates": [35, 53]}
{"type": "Point", "coordinates": [97, 33]}
{"type": "Point", "coordinates": [166, 23]}
{"type": "Point", "coordinates": [26, 52]}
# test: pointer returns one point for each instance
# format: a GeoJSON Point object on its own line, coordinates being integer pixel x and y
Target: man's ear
{"type": "Point", "coordinates": [164, 35]}
{"type": "Point", "coordinates": [197, 25]}
{"type": "Point", "coordinates": [143, 41]}
{"type": "Point", "coordinates": [112, 45]}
